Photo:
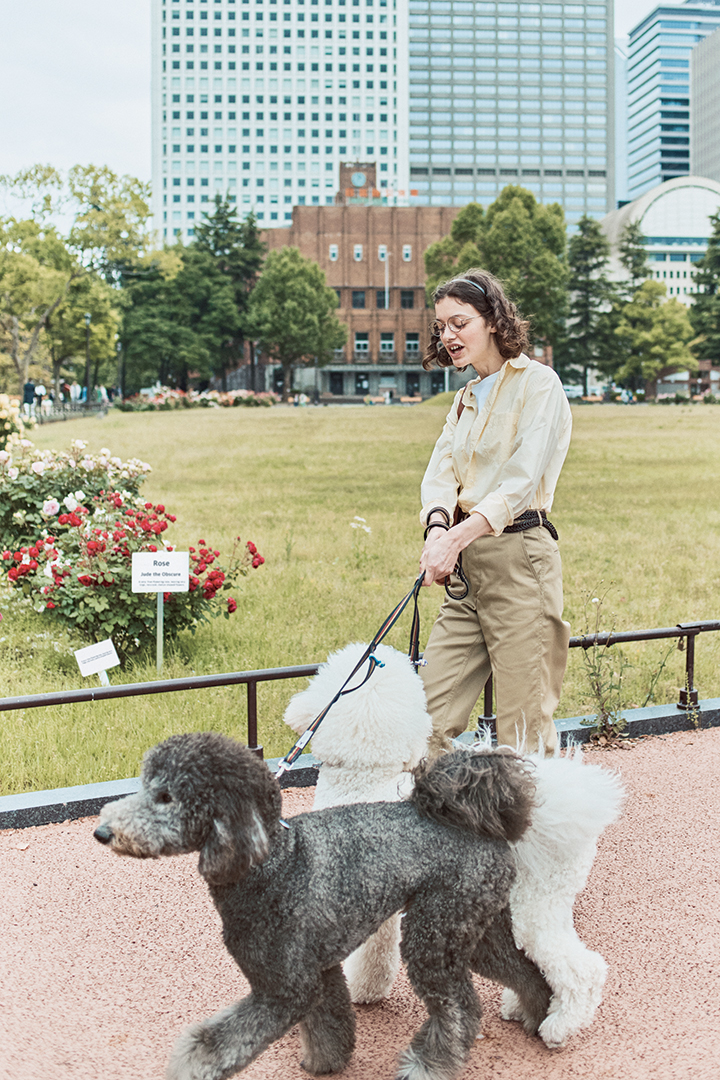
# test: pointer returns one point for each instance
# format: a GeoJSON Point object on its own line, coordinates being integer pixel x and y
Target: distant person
{"type": "Point", "coordinates": [29, 398]}
{"type": "Point", "coordinates": [40, 393]}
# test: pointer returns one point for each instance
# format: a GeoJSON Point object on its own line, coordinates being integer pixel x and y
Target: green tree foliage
{"type": "Point", "coordinates": [587, 339]}
{"type": "Point", "coordinates": [520, 241]}
{"type": "Point", "coordinates": [292, 313]}
{"type": "Point", "coordinates": [238, 252]}
{"type": "Point", "coordinates": [654, 335]}
{"type": "Point", "coordinates": [45, 271]}
{"type": "Point", "coordinates": [633, 257]}
{"type": "Point", "coordinates": [65, 332]}
{"type": "Point", "coordinates": [177, 325]}
{"type": "Point", "coordinates": [705, 311]}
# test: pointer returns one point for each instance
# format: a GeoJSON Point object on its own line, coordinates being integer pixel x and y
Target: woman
{"type": "Point", "coordinates": [486, 494]}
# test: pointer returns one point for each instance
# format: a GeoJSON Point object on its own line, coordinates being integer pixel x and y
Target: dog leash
{"type": "Point", "coordinates": [413, 652]}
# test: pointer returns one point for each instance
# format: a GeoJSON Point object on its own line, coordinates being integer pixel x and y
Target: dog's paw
{"type": "Point", "coordinates": [191, 1057]}
{"type": "Point", "coordinates": [555, 1030]}
{"type": "Point", "coordinates": [510, 1008]}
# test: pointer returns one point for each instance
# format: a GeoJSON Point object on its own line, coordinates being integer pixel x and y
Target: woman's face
{"type": "Point", "coordinates": [475, 343]}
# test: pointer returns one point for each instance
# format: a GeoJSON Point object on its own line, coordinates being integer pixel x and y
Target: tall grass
{"type": "Point", "coordinates": [637, 510]}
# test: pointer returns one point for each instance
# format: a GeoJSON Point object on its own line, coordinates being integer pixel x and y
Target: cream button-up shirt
{"type": "Point", "coordinates": [507, 457]}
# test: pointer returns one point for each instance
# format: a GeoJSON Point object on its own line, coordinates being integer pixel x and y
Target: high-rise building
{"type": "Point", "coordinates": [503, 93]}
{"type": "Point", "coordinates": [705, 108]}
{"type": "Point", "coordinates": [621, 110]}
{"type": "Point", "coordinates": [261, 100]}
{"type": "Point", "coordinates": [659, 91]}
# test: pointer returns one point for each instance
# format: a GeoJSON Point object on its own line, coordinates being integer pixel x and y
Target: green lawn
{"type": "Point", "coordinates": [637, 509]}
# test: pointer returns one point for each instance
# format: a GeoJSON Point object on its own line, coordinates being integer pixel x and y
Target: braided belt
{"type": "Point", "coordinates": [532, 519]}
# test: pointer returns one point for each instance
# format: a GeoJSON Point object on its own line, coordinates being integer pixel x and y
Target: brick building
{"type": "Point", "coordinates": [373, 257]}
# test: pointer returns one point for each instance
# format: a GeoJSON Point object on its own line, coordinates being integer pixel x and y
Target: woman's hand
{"type": "Point", "coordinates": [441, 550]}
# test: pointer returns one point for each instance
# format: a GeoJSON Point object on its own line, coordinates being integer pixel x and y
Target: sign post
{"type": "Point", "coordinates": [160, 572]}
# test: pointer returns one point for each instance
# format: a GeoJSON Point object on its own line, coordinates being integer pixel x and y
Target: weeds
{"type": "Point", "coordinates": [605, 675]}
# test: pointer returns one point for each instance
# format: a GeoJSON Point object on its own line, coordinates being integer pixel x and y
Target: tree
{"type": "Point", "coordinates": [238, 252]}
{"type": "Point", "coordinates": [292, 313]}
{"type": "Point", "coordinates": [65, 331]}
{"type": "Point", "coordinates": [654, 335]}
{"type": "Point", "coordinates": [522, 243]}
{"type": "Point", "coordinates": [177, 325]}
{"type": "Point", "coordinates": [586, 340]}
{"type": "Point", "coordinates": [36, 271]}
{"type": "Point", "coordinates": [633, 257]}
{"type": "Point", "coordinates": [705, 311]}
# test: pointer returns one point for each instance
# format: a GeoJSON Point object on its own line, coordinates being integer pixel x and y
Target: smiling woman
{"type": "Point", "coordinates": [486, 494]}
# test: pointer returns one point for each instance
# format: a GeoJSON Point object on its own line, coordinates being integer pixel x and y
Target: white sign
{"type": "Point", "coordinates": [160, 571]}
{"type": "Point", "coordinates": [96, 658]}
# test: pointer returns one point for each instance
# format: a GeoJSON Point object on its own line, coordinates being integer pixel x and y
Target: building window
{"type": "Point", "coordinates": [362, 382]}
{"type": "Point", "coordinates": [412, 344]}
{"type": "Point", "coordinates": [407, 253]}
{"type": "Point", "coordinates": [358, 298]}
{"type": "Point", "coordinates": [407, 298]}
{"type": "Point", "coordinates": [437, 382]}
{"type": "Point", "coordinates": [362, 344]}
{"type": "Point", "coordinates": [412, 384]}
{"type": "Point", "coordinates": [333, 253]}
{"type": "Point", "coordinates": [380, 300]}
{"type": "Point", "coordinates": [387, 343]}
{"type": "Point", "coordinates": [357, 252]}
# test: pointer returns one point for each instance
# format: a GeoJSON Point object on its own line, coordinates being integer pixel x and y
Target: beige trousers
{"type": "Point", "coordinates": [510, 623]}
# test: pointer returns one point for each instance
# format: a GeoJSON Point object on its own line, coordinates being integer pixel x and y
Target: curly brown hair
{"type": "Point", "coordinates": [497, 310]}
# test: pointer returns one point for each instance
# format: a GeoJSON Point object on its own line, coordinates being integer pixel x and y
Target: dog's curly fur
{"type": "Point", "coordinates": [367, 755]}
{"type": "Point", "coordinates": [294, 902]}
{"type": "Point", "coordinates": [385, 723]}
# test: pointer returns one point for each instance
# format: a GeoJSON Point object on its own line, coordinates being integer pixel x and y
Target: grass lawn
{"type": "Point", "coordinates": [637, 509]}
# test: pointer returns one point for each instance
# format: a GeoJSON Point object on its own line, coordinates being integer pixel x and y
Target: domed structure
{"type": "Point", "coordinates": [674, 218]}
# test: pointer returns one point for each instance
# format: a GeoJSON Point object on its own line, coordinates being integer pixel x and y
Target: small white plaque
{"type": "Point", "coordinates": [160, 571]}
{"type": "Point", "coordinates": [96, 658]}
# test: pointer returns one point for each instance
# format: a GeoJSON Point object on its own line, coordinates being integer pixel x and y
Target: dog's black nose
{"type": "Point", "coordinates": [104, 834]}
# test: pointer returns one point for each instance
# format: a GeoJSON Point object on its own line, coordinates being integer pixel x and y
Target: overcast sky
{"type": "Point", "coordinates": [75, 81]}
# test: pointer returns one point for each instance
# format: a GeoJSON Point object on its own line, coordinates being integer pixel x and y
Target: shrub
{"type": "Point", "coordinates": [81, 573]}
{"type": "Point", "coordinates": [31, 480]}
{"type": "Point", "coordinates": [165, 399]}
{"type": "Point", "coordinates": [11, 421]}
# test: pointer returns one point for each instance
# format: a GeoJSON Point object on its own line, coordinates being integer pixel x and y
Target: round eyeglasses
{"type": "Point", "coordinates": [456, 323]}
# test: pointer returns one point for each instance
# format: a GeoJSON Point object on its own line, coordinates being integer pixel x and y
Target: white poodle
{"type": "Point", "coordinates": [368, 742]}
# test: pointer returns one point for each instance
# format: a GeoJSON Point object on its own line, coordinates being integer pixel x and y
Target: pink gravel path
{"type": "Point", "coordinates": [103, 960]}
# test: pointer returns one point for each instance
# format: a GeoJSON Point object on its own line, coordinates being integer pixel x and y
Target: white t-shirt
{"type": "Point", "coordinates": [482, 389]}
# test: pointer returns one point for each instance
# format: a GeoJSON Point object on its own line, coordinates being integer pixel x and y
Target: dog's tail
{"type": "Point", "coordinates": [491, 794]}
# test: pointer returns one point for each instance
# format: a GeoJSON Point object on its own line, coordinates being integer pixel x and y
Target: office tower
{"type": "Point", "coordinates": [705, 108]}
{"type": "Point", "coordinates": [659, 91]}
{"type": "Point", "coordinates": [503, 93]}
{"type": "Point", "coordinates": [260, 100]}
{"type": "Point", "coordinates": [621, 129]}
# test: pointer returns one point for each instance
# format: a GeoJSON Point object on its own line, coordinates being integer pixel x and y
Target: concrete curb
{"type": "Point", "coordinates": [66, 804]}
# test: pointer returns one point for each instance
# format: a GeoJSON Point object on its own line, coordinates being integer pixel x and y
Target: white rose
{"type": "Point", "coordinates": [13, 473]}
{"type": "Point", "coordinates": [70, 502]}
{"type": "Point", "coordinates": [50, 507]}
{"type": "Point", "coordinates": [38, 467]}
{"type": "Point", "coordinates": [4, 456]}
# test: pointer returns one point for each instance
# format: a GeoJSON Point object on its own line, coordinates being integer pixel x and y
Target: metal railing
{"type": "Point", "coordinates": [688, 695]}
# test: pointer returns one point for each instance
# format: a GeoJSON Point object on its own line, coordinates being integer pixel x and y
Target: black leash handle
{"type": "Point", "coordinates": [294, 753]}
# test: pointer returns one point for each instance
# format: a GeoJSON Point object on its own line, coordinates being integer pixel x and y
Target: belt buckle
{"type": "Point", "coordinates": [540, 518]}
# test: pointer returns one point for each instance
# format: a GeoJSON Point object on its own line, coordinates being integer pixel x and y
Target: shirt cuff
{"type": "Point", "coordinates": [497, 510]}
{"type": "Point", "coordinates": [427, 511]}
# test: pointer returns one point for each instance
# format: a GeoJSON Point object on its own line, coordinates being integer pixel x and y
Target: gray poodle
{"type": "Point", "coordinates": [295, 900]}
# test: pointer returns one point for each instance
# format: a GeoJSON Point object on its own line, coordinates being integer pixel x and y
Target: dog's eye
{"type": "Point", "coordinates": [164, 797]}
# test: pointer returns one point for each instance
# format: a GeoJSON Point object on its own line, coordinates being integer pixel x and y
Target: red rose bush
{"type": "Point", "coordinates": [79, 571]}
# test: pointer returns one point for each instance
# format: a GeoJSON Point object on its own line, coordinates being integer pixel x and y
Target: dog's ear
{"type": "Point", "coordinates": [233, 847]}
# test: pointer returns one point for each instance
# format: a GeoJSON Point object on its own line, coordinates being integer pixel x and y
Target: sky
{"type": "Point", "coordinates": [75, 82]}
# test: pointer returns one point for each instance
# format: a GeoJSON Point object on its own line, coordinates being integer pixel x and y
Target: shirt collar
{"type": "Point", "coordinates": [518, 362]}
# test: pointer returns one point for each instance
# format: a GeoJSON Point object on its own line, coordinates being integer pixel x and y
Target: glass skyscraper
{"type": "Point", "coordinates": [659, 92]}
{"type": "Point", "coordinates": [503, 93]}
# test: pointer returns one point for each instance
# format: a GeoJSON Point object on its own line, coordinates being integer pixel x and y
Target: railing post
{"type": "Point", "coordinates": [252, 735]}
{"type": "Point", "coordinates": [688, 694]}
{"type": "Point", "coordinates": [488, 717]}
